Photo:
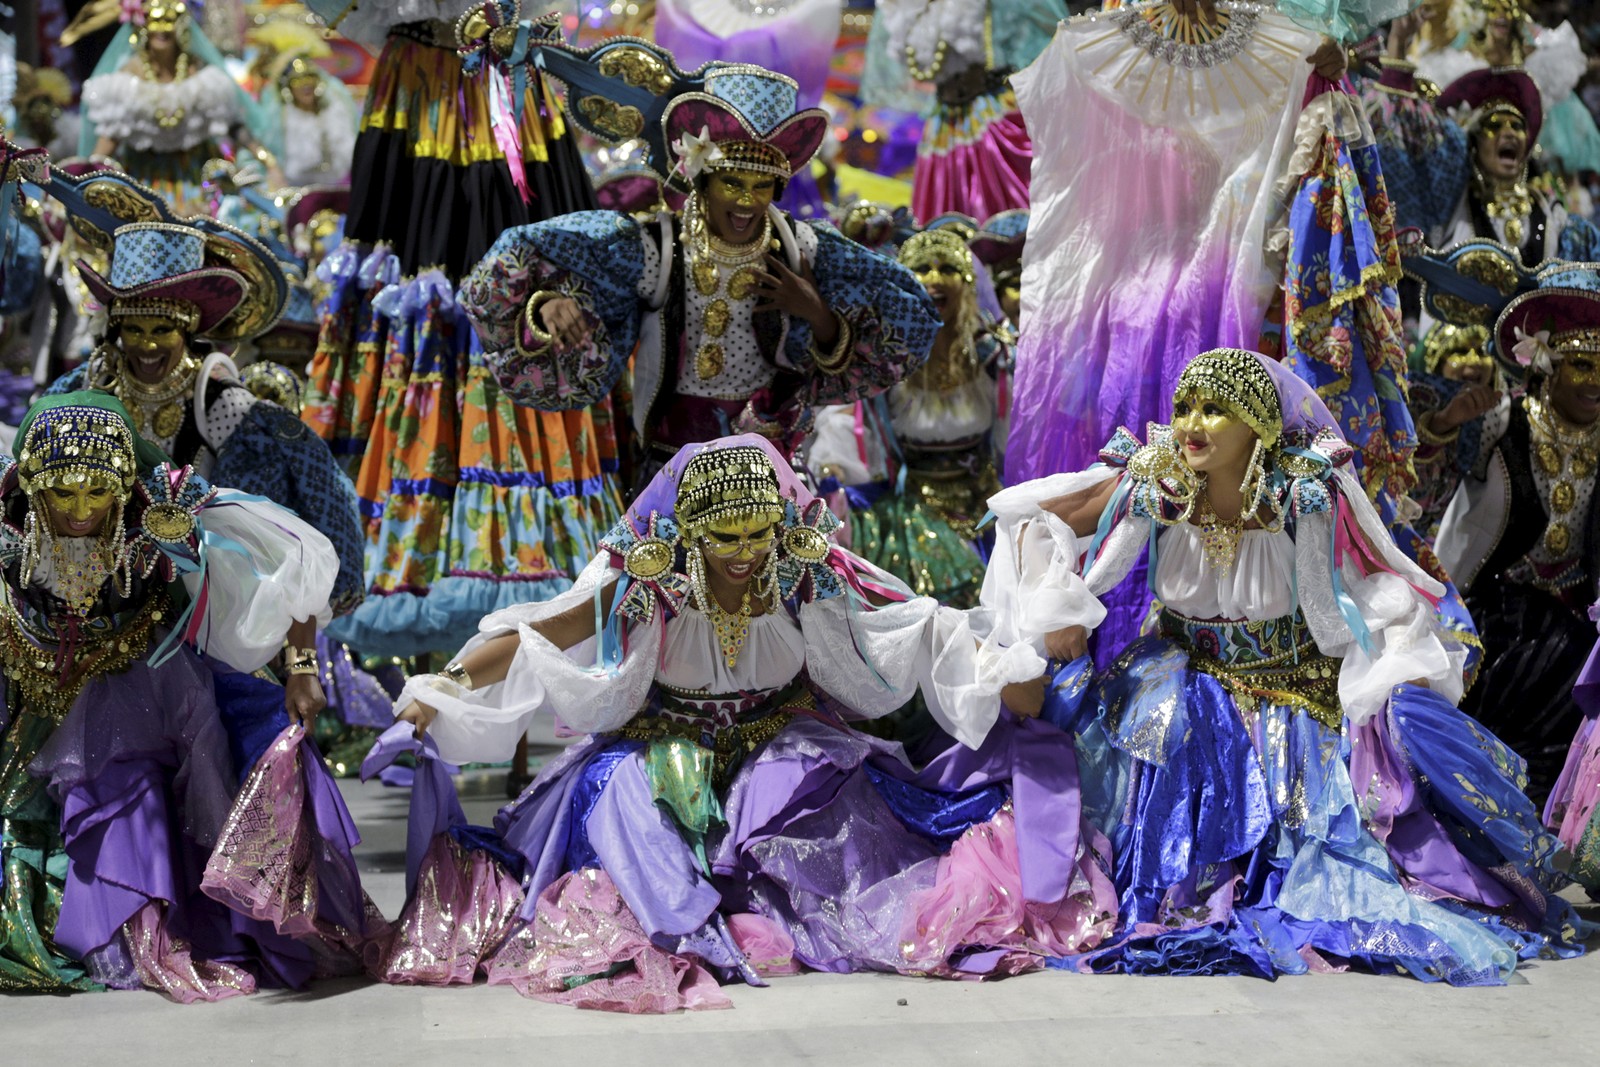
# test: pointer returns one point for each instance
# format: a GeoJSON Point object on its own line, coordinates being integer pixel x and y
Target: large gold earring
{"type": "Point", "coordinates": [1256, 489]}
{"type": "Point", "coordinates": [1163, 482]}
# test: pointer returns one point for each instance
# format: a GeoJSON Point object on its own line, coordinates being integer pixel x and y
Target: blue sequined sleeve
{"type": "Point", "coordinates": [595, 258]}
{"type": "Point", "coordinates": [274, 455]}
{"type": "Point", "coordinates": [889, 321]}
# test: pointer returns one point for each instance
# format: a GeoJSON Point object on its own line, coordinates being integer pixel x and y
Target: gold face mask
{"type": "Point", "coordinates": [740, 538]}
{"type": "Point", "coordinates": [1195, 413]}
{"type": "Point", "coordinates": [1579, 371]}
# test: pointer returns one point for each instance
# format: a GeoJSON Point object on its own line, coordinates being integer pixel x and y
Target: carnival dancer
{"type": "Point", "coordinates": [1453, 384]}
{"type": "Point", "coordinates": [133, 592]}
{"type": "Point", "coordinates": [1152, 132]}
{"type": "Point", "coordinates": [730, 821]}
{"type": "Point", "coordinates": [1500, 34]}
{"type": "Point", "coordinates": [918, 489]}
{"type": "Point", "coordinates": [313, 118]}
{"type": "Point", "coordinates": [162, 104]}
{"type": "Point", "coordinates": [999, 245]}
{"type": "Point", "coordinates": [1284, 777]}
{"type": "Point", "coordinates": [470, 502]}
{"type": "Point", "coordinates": [170, 288]}
{"type": "Point", "coordinates": [1519, 533]}
{"type": "Point", "coordinates": [742, 317]}
{"type": "Point", "coordinates": [974, 154]}
{"type": "Point", "coordinates": [1460, 166]}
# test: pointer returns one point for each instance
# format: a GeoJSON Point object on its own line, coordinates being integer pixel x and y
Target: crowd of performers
{"type": "Point", "coordinates": [1170, 547]}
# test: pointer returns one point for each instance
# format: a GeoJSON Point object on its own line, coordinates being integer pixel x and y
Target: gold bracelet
{"type": "Point", "coordinates": [300, 660]}
{"type": "Point", "coordinates": [838, 360]}
{"type": "Point", "coordinates": [457, 673]}
{"type": "Point", "coordinates": [530, 318]}
{"type": "Point", "coordinates": [1426, 434]}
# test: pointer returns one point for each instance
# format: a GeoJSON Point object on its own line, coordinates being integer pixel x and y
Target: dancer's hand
{"type": "Point", "coordinates": [781, 289]}
{"type": "Point", "coordinates": [1067, 644]}
{"type": "Point", "coordinates": [1401, 32]}
{"type": "Point", "coordinates": [420, 716]}
{"type": "Point", "coordinates": [1468, 404]}
{"type": "Point", "coordinates": [1330, 59]}
{"type": "Point", "coordinates": [565, 322]}
{"type": "Point", "coordinates": [303, 699]}
{"type": "Point", "coordinates": [1025, 698]}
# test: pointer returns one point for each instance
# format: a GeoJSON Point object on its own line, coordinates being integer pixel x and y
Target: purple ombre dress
{"type": "Point", "coordinates": [133, 854]}
{"type": "Point", "coordinates": [626, 880]}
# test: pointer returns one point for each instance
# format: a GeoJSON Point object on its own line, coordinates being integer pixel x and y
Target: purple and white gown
{"type": "Point", "coordinates": [617, 880]}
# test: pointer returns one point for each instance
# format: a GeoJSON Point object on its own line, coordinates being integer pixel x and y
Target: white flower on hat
{"type": "Point", "coordinates": [1533, 350]}
{"type": "Point", "coordinates": [696, 153]}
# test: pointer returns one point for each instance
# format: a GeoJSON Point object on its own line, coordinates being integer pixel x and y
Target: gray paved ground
{"type": "Point", "coordinates": [1551, 1014]}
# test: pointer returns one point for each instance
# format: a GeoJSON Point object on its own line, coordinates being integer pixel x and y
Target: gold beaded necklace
{"type": "Point", "coordinates": [165, 119]}
{"type": "Point", "coordinates": [722, 272]}
{"type": "Point", "coordinates": [164, 399]}
{"type": "Point", "coordinates": [1567, 455]}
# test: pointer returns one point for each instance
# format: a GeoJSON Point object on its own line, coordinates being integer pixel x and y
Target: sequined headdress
{"type": "Point", "coordinates": [75, 443]}
{"type": "Point", "coordinates": [727, 483]}
{"type": "Point", "coordinates": [945, 243]}
{"type": "Point", "coordinates": [745, 119]}
{"type": "Point", "coordinates": [1485, 92]}
{"type": "Point", "coordinates": [1561, 318]}
{"type": "Point", "coordinates": [218, 283]}
{"type": "Point", "coordinates": [1236, 379]}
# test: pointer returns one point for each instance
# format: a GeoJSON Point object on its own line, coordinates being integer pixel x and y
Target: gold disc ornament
{"type": "Point", "coordinates": [168, 419]}
{"type": "Point", "coordinates": [705, 276]}
{"type": "Point", "coordinates": [708, 361]}
{"type": "Point", "coordinates": [716, 318]}
{"type": "Point", "coordinates": [648, 559]}
{"type": "Point", "coordinates": [170, 524]}
{"type": "Point", "coordinates": [806, 544]}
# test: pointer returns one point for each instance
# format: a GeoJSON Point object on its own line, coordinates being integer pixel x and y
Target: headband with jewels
{"type": "Point", "coordinates": [744, 118]}
{"type": "Point", "coordinates": [946, 244]}
{"type": "Point", "coordinates": [1447, 340]}
{"type": "Point", "coordinates": [74, 444]}
{"type": "Point", "coordinates": [222, 284]}
{"type": "Point", "coordinates": [164, 16]}
{"type": "Point", "coordinates": [727, 483]}
{"type": "Point", "coordinates": [298, 66]}
{"type": "Point", "coordinates": [1236, 379]}
{"type": "Point", "coordinates": [1483, 92]}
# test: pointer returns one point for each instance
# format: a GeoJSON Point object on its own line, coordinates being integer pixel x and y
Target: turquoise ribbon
{"type": "Point", "coordinates": [608, 630]}
{"type": "Point", "coordinates": [186, 564]}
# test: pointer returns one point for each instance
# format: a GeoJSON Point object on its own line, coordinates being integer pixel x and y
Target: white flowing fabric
{"type": "Point", "coordinates": [285, 574]}
{"type": "Point", "coordinates": [1150, 208]}
{"type": "Point", "coordinates": [868, 660]}
{"type": "Point", "coordinates": [1033, 587]}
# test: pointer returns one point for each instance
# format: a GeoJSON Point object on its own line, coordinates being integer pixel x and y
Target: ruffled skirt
{"type": "Point", "coordinates": [471, 503]}
{"type": "Point", "coordinates": [974, 158]}
{"type": "Point", "coordinates": [1244, 846]}
{"type": "Point", "coordinates": [112, 816]}
{"type": "Point", "coordinates": [1574, 807]}
{"type": "Point", "coordinates": [829, 854]}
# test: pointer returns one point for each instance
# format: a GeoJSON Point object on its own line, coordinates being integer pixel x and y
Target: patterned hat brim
{"type": "Point", "coordinates": [798, 137]}
{"type": "Point", "coordinates": [1557, 310]}
{"type": "Point", "coordinates": [216, 291]}
{"type": "Point", "coordinates": [994, 248]}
